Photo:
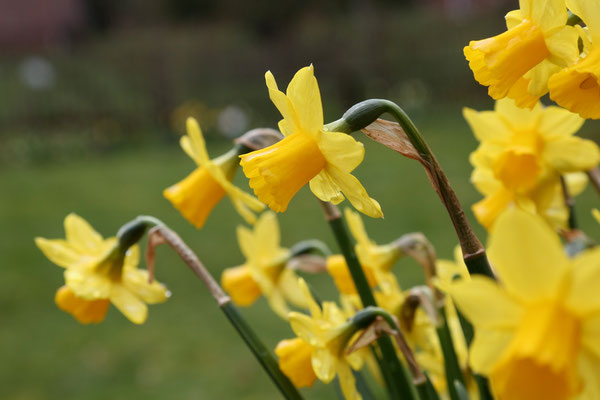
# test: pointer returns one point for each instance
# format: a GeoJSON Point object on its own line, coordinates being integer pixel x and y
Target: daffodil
{"type": "Point", "coordinates": [264, 272]}
{"type": "Point", "coordinates": [295, 361]}
{"type": "Point", "coordinates": [536, 333]}
{"type": "Point", "coordinates": [376, 260]}
{"type": "Point", "coordinates": [307, 154]}
{"type": "Point", "coordinates": [99, 272]}
{"type": "Point", "coordinates": [576, 87]}
{"type": "Point", "coordinates": [325, 335]}
{"type": "Point", "coordinates": [197, 194]}
{"type": "Point", "coordinates": [518, 62]}
{"type": "Point", "coordinates": [521, 157]}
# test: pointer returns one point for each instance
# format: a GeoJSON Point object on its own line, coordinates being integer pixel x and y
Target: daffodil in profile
{"type": "Point", "coordinates": [99, 272]}
{"type": "Point", "coordinates": [518, 62]}
{"type": "Point", "coordinates": [324, 335]}
{"type": "Point", "coordinates": [197, 194]}
{"type": "Point", "coordinates": [577, 87]}
{"type": "Point", "coordinates": [264, 272]}
{"type": "Point", "coordinates": [307, 154]}
{"type": "Point", "coordinates": [536, 332]}
{"type": "Point", "coordinates": [521, 157]}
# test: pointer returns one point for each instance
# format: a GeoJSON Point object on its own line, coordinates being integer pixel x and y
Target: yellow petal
{"type": "Point", "coordinates": [347, 381]}
{"type": "Point", "coordinates": [488, 209]}
{"type": "Point", "coordinates": [586, 282]}
{"type": "Point", "coordinates": [572, 154]}
{"type": "Point", "coordinates": [290, 123]}
{"type": "Point", "coordinates": [484, 181]}
{"type": "Point", "coordinates": [313, 307]}
{"type": "Point", "coordinates": [197, 145]}
{"type": "Point", "coordinates": [487, 348]}
{"type": "Point", "coordinates": [589, 335]}
{"type": "Point", "coordinates": [355, 192]}
{"type": "Point", "coordinates": [527, 255]}
{"type": "Point", "coordinates": [247, 242]}
{"type": "Point", "coordinates": [556, 122]}
{"type": "Point", "coordinates": [596, 214]}
{"type": "Point", "coordinates": [588, 366]}
{"type": "Point", "coordinates": [487, 126]}
{"type": "Point", "coordinates": [132, 307]}
{"type": "Point", "coordinates": [288, 283]}
{"type": "Point", "coordinates": [357, 227]}
{"type": "Point", "coordinates": [137, 282]}
{"type": "Point", "coordinates": [59, 252]}
{"type": "Point", "coordinates": [303, 92]}
{"type": "Point", "coordinates": [563, 46]}
{"type": "Point", "coordinates": [516, 117]}
{"type": "Point", "coordinates": [266, 232]}
{"type": "Point", "coordinates": [81, 235]}
{"type": "Point", "coordinates": [295, 361]}
{"type": "Point", "coordinates": [341, 150]}
{"type": "Point", "coordinates": [589, 12]}
{"type": "Point", "coordinates": [84, 311]}
{"type": "Point", "coordinates": [89, 286]}
{"type": "Point", "coordinates": [547, 14]}
{"type": "Point", "coordinates": [323, 363]}
{"type": "Point", "coordinates": [278, 304]}
{"type": "Point", "coordinates": [240, 285]}
{"type": "Point", "coordinates": [304, 327]}
{"type": "Point", "coordinates": [485, 304]}
{"type": "Point", "coordinates": [325, 189]}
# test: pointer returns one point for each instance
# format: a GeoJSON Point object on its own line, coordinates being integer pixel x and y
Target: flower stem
{"type": "Point", "coordinates": [162, 234]}
{"type": "Point", "coordinates": [451, 365]}
{"type": "Point", "coordinates": [400, 386]}
{"type": "Point", "coordinates": [594, 176]}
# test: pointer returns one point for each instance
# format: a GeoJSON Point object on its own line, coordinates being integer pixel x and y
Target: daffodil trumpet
{"type": "Point", "coordinates": [162, 234]}
{"type": "Point", "coordinates": [366, 112]}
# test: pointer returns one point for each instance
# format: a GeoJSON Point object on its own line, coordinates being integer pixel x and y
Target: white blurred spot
{"type": "Point", "coordinates": [232, 121]}
{"type": "Point", "coordinates": [37, 73]}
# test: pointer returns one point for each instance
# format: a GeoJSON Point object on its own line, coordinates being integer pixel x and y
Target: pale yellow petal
{"type": "Point", "coordinates": [485, 303]}
{"type": "Point", "coordinates": [303, 92]}
{"type": "Point", "coordinates": [325, 189]}
{"type": "Point", "coordinates": [589, 12]}
{"type": "Point", "coordinates": [278, 304]}
{"type": "Point", "coordinates": [59, 252]}
{"type": "Point", "coordinates": [513, 116]}
{"type": "Point", "coordinates": [81, 235]}
{"type": "Point", "coordinates": [313, 307]}
{"type": "Point", "coordinates": [341, 150]}
{"type": "Point", "coordinates": [288, 282]}
{"type": "Point", "coordinates": [572, 154]}
{"type": "Point", "coordinates": [323, 363]}
{"type": "Point", "coordinates": [487, 126]}
{"type": "Point", "coordinates": [576, 182]}
{"type": "Point", "coordinates": [556, 122]}
{"type": "Point", "coordinates": [196, 144]}
{"type": "Point", "coordinates": [590, 334]}
{"type": "Point", "coordinates": [357, 227]}
{"type": "Point", "coordinates": [137, 282]}
{"type": "Point", "coordinates": [304, 327]}
{"type": "Point", "coordinates": [596, 214]}
{"type": "Point", "coordinates": [585, 285]}
{"type": "Point", "coordinates": [538, 78]}
{"type": "Point", "coordinates": [347, 381]}
{"type": "Point", "coordinates": [89, 286]}
{"type": "Point", "coordinates": [247, 242]}
{"type": "Point", "coordinates": [562, 44]}
{"type": "Point", "coordinates": [548, 14]}
{"type": "Point", "coordinates": [132, 307]}
{"type": "Point", "coordinates": [487, 347]}
{"type": "Point", "coordinates": [527, 255]}
{"type": "Point", "coordinates": [355, 192]}
{"type": "Point", "coordinates": [588, 366]}
{"type": "Point", "coordinates": [132, 258]}
{"type": "Point", "coordinates": [513, 18]}
{"type": "Point", "coordinates": [290, 123]}
{"type": "Point", "coordinates": [267, 238]}
{"type": "Point", "coordinates": [484, 181]}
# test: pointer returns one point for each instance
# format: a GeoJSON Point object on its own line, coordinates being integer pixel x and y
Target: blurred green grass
{"type": "Point", "coordinates": [186, 349]}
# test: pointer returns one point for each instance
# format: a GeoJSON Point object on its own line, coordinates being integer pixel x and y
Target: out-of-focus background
{"type": "Point", "coordinates": [93, 99]}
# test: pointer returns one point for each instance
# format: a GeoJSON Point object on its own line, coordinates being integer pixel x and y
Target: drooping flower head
{"type": "Point", "coordinates": [324, 336]}
{"type": "Point", "coordinates": [536, 333]}
{"type": "Point", "coordinates": [307, 154]}
{"type": "Point", "coordinates": [99, 272]}
{"type": "Point", "coordinates": [264, 272]}
{"type": "Point", "coordinates": [577, 87]}
{"type": "Point", "coordinates": [518, 62]}
{"type": "Point", "coordinates": [521, 157]}
{"type": "Point", "coordinates": [197, 194]}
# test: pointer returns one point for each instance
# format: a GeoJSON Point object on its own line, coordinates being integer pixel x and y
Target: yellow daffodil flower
{"type": "Point", "coordinates": [536, 333]}
{"type": "Point", "coordinates": [264, 271]}
{"type": "Point", "coordinates": [197, 194]}
{"type": "Point", "coordinates": [376, 260]}
{"type": "Point", "coordinates": [576, 87]}
{"type": "Point", "coordinates": [325, 334]}
{"type": "Point", "coordinates": [307, 154]}
{"type": "Point", "coordinates": [518, 62]}
{"type": "Point", "coordinates": [295, 361]}
{"type": "Point", "coordinates": [98, 272]}
{"type": "Point", "coordinates": [521, 157]}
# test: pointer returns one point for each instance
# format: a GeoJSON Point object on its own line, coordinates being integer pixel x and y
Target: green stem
{"type": "Point", "coordinates": [451, 364]}
{"type": "Point", "coordinates": [162, 234]}
{"type": "Point", "coordinates": [400, 385]}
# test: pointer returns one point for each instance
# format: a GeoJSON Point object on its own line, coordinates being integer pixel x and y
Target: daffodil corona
{"type": "Point", "coordinates": [536, 333]}
{"type": "Point", "coordinates": [518, 62]}
{"type": "Point", "coordinates": [264, 272]}
{"type": "Point", "coordinates": [307, 154]}
{"type": "Point", "coordinates": [99, 272]}
{"type": "Point", "coordinates": [197, 194]}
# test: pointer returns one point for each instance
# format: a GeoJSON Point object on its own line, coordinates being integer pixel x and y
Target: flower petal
{"type": "Point", "coordinates": [589, 12]}
{"type": "Point", "coordinates": [487, 348]}
{"type": "Point", "coordinates": [305, 328]}
{"type": "Point", "coordinates": [267, 237]}
{"type": "Point", "coordinates": [487, 126]}
{"type": "Point", "coordinates": [572, 154]}
{"type": "Point", "coordinates": [81, 235]}
{"type": "Point", "coordinates": [290, 122]}
{"type": "Point", "coordinates": [288, 283]}
{"type": "Point", "coordinates": [355, 192]}
{"type": "Point", "coordinates": [325, 189]}
{"type": "Point", "coordinates": [246, 242]}
{"type": "Point", "coordinates": [557, 122]}
{"type": "Point", "coordinates": [347, 381]}
{"type": "Point", "coordinates": [590, 334]}
{"type": "Point", "coordinates": [527, 254]}
{"type": "Point", "coordinates": [59, 252]}
{"type": "Point", "coordinates": [586, 283]}
{"type": "Point", "coordinates": [132, 307]}
{"type": "Point", "coordinates": [341, 150]}
{"type": "Point", "coordinates": [588, 366]}
{"type": "Point", "coordinates": [520, 118]}
{"type": "Point", "coordinates": [195, 146]}
{"type": "Point", "coordinates": [323, 363]}
{"type": "Point", "coordinates": [303, 92]}
{"type": "Point", "coordinates": [89, 286]}
{"type": "Point", "coordinates": [137, 282]}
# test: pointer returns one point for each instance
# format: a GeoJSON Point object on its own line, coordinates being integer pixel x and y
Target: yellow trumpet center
{"type": "Point", "coordinates": [84, 311]}
{"type": "Point", "coordinates": [240, 285]}
{"type": "Point", "coordinates": [277, 172]}
{"type": "Point", "coordinates": [295, 361]}
{"type": "Point", "coordinates": [541, 360]}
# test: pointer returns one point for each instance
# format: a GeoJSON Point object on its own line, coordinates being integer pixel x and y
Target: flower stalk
{"type": "Point", "coordinates": [159, 234]}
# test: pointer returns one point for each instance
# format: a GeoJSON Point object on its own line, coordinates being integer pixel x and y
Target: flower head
{"type": "Point", "coordinates": [518, 62]}
{"type": "Point", "coordinates": [536, 333]}
{"type": "Point", "coordinates": [324, 334]}
{"type": "Point", "coordinates": [197, 194]}
{"type": "Point", "coordinates": [521, 157]}
{"type": "Point", "coordinates": [265, 269]}
{"type": "Point", "coordinates": [577, 87]}
{"type": "Point", "coordinates": [307, 154]}
{"type": "Point", "coordinates": [99, 271]}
